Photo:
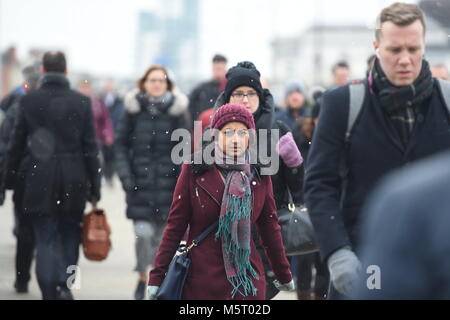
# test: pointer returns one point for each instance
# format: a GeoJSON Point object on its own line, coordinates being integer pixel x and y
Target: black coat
{"type": "Point", "coordinates": [374, 149]}
{"type": "Point", "coordinates": [6, 131]}
{"type": "Point", "coordinates": [406, 233]}
{"type": "Point", "coordinates": [55, 129]}
{"type": "Point", "coordinates": [304, 145]}
{"type": "Point", "coordinates": [203, 98]}
{"type": "Point", "coordinates": [8, 109]}
{"type": "Point", "coordinates": [8, 112]}
{"type": "Point", "coordinates": [143, 155]}
{"type": "Point", "coordinates": [285, 177]}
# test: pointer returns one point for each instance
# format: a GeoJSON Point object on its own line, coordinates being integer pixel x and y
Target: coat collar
{"type": "Point", "coordinates": [208, 178]}
{"type": "Point", "coordinates": [177, 108]}
{"type": "Point", "coordinates": [55, 78]}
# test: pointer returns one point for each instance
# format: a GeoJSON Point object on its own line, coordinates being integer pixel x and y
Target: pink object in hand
{"type": "Point", "coordinates": [288, 151]}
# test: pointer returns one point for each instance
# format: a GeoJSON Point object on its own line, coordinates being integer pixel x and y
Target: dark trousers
{"type": "Point", "coordinates": [304, 274]}
{"type": "Point", "coordinates": [25, 247]}
{"type": "Point", "coordinates": [23, 230]}
{"type": "Point", "coordinates": [108, 162]}
{"type": "Point", "coordinates": [58, 239]}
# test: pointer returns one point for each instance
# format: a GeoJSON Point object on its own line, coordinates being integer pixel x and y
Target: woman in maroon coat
{"type": "Point", "coordinates": [226, 264]}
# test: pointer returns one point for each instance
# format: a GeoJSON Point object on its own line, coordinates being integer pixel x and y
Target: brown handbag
{"type": "Point", "coordinates": [96, 235]}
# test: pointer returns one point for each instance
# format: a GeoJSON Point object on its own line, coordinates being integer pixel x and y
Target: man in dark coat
{"type": "Point", "coordinates": [205, 94]}
{"type": "Point", "coordinates": [23, 229]}
{"type": "Point", "coordinates": [403, 118]}
{"type": "Point", "coordinates": [54, 128]}
{"type": "Point", "coordinates": [404, 246]}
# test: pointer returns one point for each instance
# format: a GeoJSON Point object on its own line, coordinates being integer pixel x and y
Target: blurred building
{"type": "Point", "coordinates": [171, 37]}
{"type": "Point", "coordinates": [310, 56]}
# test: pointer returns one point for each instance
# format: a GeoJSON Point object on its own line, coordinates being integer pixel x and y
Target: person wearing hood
{"type": "Point", "coordinates": [296, 105]}
{"type": "Point", "coordinates": [244, 87]}
{"type": "Point", "coordinates": [143, 158]}
{"type": "Point", "coordinates": [231, 193]}
{"type": "Point", "coordinates": [403, 118]}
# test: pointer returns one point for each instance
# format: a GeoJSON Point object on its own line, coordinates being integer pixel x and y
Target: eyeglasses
{"type": "Point", "coordinates": [240, 95]}
{"type": "Point", "coordinates": [156, 80]}
{"type": "Point", "coordinates": [229, 133]}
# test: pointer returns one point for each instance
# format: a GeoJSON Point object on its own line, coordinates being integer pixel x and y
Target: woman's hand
{"type": "Point", "coordinates": [288, 151]}
{"type": "Point", "coordinates": [290, 286]}
{"type": "Point", "coordinates": [151, 291]}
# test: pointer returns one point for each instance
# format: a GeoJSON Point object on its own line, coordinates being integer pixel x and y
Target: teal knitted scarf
{"type": "Point", "coordinates": [235, 223]}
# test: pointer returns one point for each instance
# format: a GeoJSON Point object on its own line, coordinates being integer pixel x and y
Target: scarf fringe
{"type": "Point", "coordinates": [238, 208]}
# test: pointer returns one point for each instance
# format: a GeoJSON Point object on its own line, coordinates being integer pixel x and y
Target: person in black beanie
{"type": "Point", "coordinates": [244, 87]}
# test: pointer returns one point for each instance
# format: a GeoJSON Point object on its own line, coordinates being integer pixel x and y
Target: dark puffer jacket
{"type": "Point", "coordinates": [143, 149]}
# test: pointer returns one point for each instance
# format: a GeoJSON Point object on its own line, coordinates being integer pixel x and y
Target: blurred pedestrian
{"type": "Point", "coordinates": [54, 129]}
{"type": "Point", "coordinates": [23, 229]}
{"type": "Point", "coordinates": [296, 105]}
{"type": "Point", "coordinates": [341, 74]}
{"type": "Point", "coordinates": [440, 71]}
{"type": "Point", "coordinates": [404, 241]}
{"type": "Point", "coordinates": [310, 285]}
{"type": "Point", "coordinates": [114, 105]}
{"type": "Point", "coordinates": [143, 156]}
{"type": "Point", "coordinates": [206, 93]}
{"type": "Point", "coordinates": [102, 120]}
{"type": "Point", "coordinates": [226, 264]}
{"type": "Point", "coordinates": [403, 118]}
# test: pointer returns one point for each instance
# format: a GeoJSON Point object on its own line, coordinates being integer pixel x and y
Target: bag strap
{"type": "Point", "coordinates": [202, 236]}
{"type": "Point", "coordinates": [444, 87]}
{"type": "Point", "coordinates": [357, 94]}
{"type": "Point", "coordinates": [291, 204]}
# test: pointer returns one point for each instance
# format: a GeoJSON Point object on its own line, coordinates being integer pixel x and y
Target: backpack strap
{"type": "Point", "coordinates": [357, 95]}
{"type": "Point", "coordinates": [444, 87]}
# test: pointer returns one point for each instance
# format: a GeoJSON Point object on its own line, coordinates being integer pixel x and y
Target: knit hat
{"type": "Point", "coordinates": [294, 87]}
{"type": "Point", "coordinates": [243, 74]}
{"type": "Point", "coordinates": [232, 113]}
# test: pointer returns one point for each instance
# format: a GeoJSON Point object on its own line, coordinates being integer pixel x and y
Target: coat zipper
{"type": "Point", "coordinates": [198, 197]}
{"type": "Point", "coordinates": [196, 190]}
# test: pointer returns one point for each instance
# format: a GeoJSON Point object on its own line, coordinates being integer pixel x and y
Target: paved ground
{"type": "Point", "coordinates": [112, 279]}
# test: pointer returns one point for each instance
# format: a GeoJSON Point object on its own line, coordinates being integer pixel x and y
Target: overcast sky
{"type": "Point", "coordinates": [100, 35]}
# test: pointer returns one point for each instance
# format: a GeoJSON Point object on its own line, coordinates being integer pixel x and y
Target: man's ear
{"type": "Point", "coordinates": [376, 46]}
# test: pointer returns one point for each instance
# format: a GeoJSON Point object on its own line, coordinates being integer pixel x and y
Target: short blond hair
{"type": "Point", "coordinates": [401, 14]}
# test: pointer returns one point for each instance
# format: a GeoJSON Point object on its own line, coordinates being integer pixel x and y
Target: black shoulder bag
{"type": "Point", "coordinates": [296, 229]}
{"type": "Point", "coordinates": [172, 286]}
